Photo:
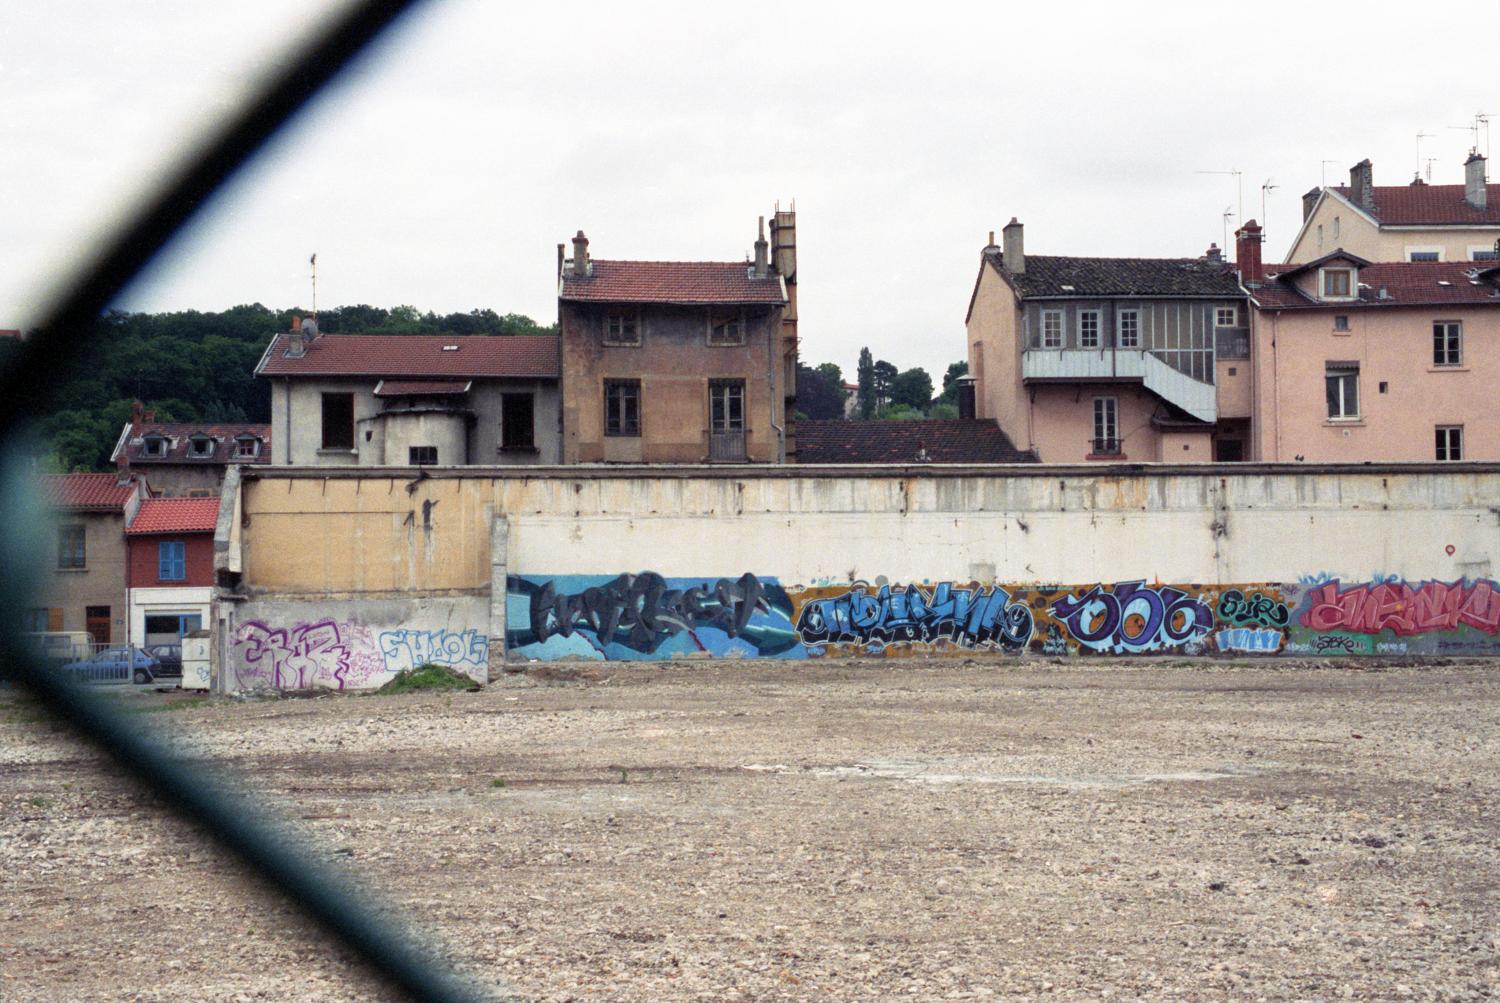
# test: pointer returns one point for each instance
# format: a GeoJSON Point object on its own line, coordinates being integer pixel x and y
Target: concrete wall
{"type": "Point", "coordinates": [674, 364]}
{"type": "Point", "coordinates": [1393, 346]}
{"type": "Point", "coordinates": [685, 562]}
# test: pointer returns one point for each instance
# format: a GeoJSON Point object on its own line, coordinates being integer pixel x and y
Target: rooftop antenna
{"type": "Point", "coordinates": [1421, 136]}
{"type": "Point", "coordinates": [1228, 212]}
{"type": "Point", "coordinates": [1430, 161]}
{"type": "Point", "coordinates": [1267, 187]}
{"type": "Point", "coordinates": [1325, 171]}
{"type": "Point", "coordinates": [1239, 179]}
{"type": "Point", "coordinates": [313, 261]}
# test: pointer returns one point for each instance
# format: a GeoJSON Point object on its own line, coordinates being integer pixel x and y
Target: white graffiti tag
{"type": "Point", "coordinates": [406, 649]}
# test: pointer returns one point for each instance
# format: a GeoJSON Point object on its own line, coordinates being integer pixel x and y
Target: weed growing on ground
{"type": "Point", "coordinates": [498, 782]}
{"type": "Point", "coordinates": [427, 677]}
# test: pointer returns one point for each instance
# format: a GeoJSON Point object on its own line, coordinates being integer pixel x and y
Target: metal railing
{"type": "Point", "coordinates": [726, 447]}
{"type": "Point", "coordinates": [190, 789]}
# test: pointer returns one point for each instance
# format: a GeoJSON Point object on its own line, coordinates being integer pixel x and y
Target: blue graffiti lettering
{"type": "Point", "coordinates": [968, 617]}
{"type": "Point", "coordinates": [407, 649]}
{"type": "Point", "coordinates": [1251, 639]}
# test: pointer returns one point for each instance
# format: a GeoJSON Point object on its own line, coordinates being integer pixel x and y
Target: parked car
{"type": "Point", "coordinates": [115, 665]}
{"type": "Point", "coordinates": [170, 657]}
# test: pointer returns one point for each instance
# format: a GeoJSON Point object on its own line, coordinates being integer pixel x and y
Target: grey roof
{"type": "Point", "coordinates": [934, 440]}
{"type": "Point", "coordinates": [1048, 275]}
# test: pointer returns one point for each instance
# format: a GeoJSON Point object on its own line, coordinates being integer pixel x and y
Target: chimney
{"type": "Point", "coordinates": [784, 243]}
{"type": "Point", "coordinates": [149, 417]}
{"type": "Point", "coordinates": [137, 415]}
{"type": "Point", "coordinates": [1309, 201]}
{"type": "Point", "coordinates": [296, 340]}
{"type": "Point", "coordinates": [1213, 255]}
{"type": "Point", "coordinates": [1474, 188]}
{"type": "Point", "coordinates": [560, 258]}
{"type": "Point", "coordinates": [991, 241]}
{"type": "Point", "coordinates": [1247, 253]}
{"type": "Point", "coordinates": [1014, 255]}
{"type": "Point", "coordinates": [580, 255]}
{"type": "Point", "coordinates": [760, 251]}
{"type": "Point", "coordinates": [966, 387]}
{"type": "Point", "coordinates": [1362, 183]}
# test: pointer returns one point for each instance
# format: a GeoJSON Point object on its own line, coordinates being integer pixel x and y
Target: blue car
{"type": "Point", "coordinates": [115, 665]}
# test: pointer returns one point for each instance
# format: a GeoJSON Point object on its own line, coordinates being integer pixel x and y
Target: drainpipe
{"type": "Point", "coordinates": [1276, 384]}
{"type": "Point", "coordinates": [771, 386]}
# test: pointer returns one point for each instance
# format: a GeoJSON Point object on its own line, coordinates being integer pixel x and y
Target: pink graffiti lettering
{"type": "Point", "coordinates": [1398, 607]}
{"type": "Point", "coordinates": [298, 657]}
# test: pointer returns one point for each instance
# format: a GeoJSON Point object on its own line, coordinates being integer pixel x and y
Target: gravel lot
{"type": "Point", "coordinates": [840, 831]}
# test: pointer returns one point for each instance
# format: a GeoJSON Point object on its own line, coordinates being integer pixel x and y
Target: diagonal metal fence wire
{"type": "Point", "coordinates": [391, 950]}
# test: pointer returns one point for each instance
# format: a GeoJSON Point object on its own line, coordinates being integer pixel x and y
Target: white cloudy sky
{"type": "Point", "coordinates": [446, 169]}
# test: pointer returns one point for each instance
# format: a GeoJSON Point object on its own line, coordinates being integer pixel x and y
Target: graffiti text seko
{"type": "Point", "coordinates": [1131, 617]}
{"type": "Point", "coordinates": [1404, 609]}
{"type": "Point", "coordinates": [967, 616]}
{"type": "Point", "coordinates": [641, 611]}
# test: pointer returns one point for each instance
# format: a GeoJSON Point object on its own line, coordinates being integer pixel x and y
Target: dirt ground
{"type": "Point", "coordinates": [837, 831]}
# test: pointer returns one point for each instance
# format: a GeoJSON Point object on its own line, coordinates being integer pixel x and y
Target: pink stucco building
{"type": "Point", "coordinates": [1354, 360]}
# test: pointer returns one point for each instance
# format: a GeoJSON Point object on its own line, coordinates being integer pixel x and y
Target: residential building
{"type": "Point", "coordinates": [1110, 359]}
{"type": "Point", "coordinates": [83, 588]}
{"type": "Point", "coordinates": [187, 459]}
{"type": "Point", "coordinates": [170, 571]}
{"type": "Point", "coordinates": [412, 400]}
{"type": "Point", "coordinates": [1355, 360]}
{"type": "Point", "coordinates": [954, 440]}
{"type": "Point", "coordinates": [1414, 222]}
{"type": "Point", "coordinates": [679, 361]}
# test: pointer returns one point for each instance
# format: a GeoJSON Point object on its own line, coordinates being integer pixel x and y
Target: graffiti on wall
{"type": "Point", "coordinates": [646, 615]}
{"type": "Point", "coordinates": [970, 617]}
{"type": "Point", "coordinates": [335, 654]}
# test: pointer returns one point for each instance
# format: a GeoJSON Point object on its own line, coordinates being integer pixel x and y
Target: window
{"type": "Point", "coordinates": [1450, 442]}
{"type": "Point", "coordinates": [1424, 254]}
{"type": "Point", "coordinates": [38, 620]}
{"type": "Point", "coordinates": [419, 456]}
{"type": "Point", "coordinates": [1336, 283]}
{"type": "Point", "coordinates": [200, 446]}
{"type": "Point", "coordinates": [1341, 381]}
{"type": "Point", "coordinates": [1130, 329]}
{"type": "Point", "coordinates": [622, 407]}
{"type": "Point", "coordinates": [1106, 425]}
{"type": "Point", "coordinates": [1485, 253]}
{"type": "Point", "coordinates": [726, 329]}
{"type": "Point", "coordinates": [1335, 228]}
{"type": "Point", "coordinates": [96, 622]}
{"type": "Point", "coordinates": [247, 447]}
{"type": "Point", "coordinates": [154, 445]}
{"type": "Point", "coordinates": [622, 328]}
{"type": "Point", "coordinates": [1052, 329]}
{"type": "Point", "coordinates": [1320, 235]}
{"type": "Point", "coordinates": [726, 405]}
{"type": "Point", "coordinates": [1447, 343]}
{"type": "Point", "coordinates": [338, 421]}
{"type": "Point", "coordinates": [1226, 316]}
{"type": "Point", "coordinates": [171, 561]}
{"type": "Point", "coordinates": [517, 421]}
{"type": "Point", "coordinates": [1341, 322]}
{"type": "Point", "coordinates": [71, 551]}
{"type": "Point", "coordinates": [1088, 329]}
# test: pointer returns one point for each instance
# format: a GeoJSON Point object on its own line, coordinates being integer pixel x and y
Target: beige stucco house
{"type": "Point", "coordinates": [84, 587]}
{"type": "Point", "coordinates": [1414, 222]}
{"type": "Point", "coordinates": [1110, 359]}
{"type": "Point", "coordinates": [1356, 360]}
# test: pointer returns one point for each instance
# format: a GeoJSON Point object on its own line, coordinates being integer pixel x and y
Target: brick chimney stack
{"type": "Point", "coordinates": [1013, 257]}
{"type": "Point", "coordinates": [1362, 183]}
{"type": "Point", "coordinates": [1247, 253]}
{"type": "Point", "coordinates": [580, 255]}
{"type": "Point", "coordinates": [1475, 192]}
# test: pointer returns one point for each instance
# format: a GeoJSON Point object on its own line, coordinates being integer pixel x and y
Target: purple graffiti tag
{"type": "Point", "coordinates": [1129, 617]}
{"type": "Point", "coordinates": [297, 657]}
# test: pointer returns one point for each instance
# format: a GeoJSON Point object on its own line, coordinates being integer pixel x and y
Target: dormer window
{"type": "Point", "coordinates": [154, 445]}
{"type": "Point", "coordinates": [1338, 283]}
{"type": "Point", "coordinates": [201, 447]}
{"type": "Point", "coordinates": [247, 447]}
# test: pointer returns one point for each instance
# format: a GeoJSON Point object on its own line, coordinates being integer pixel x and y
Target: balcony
{"type": "Point", "coordinates": [1197, 397]}
{"type": "Point", "coordinates": [726, 447]}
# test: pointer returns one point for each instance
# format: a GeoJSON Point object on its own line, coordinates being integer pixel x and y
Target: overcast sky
{"type": "Point", "coordinates": [444, 171]}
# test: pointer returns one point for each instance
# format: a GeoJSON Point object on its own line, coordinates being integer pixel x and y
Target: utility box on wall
{"type": "Point", "coordinates": [196, 674]}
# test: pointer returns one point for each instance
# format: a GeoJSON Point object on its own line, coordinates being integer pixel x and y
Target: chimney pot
{"type": "Point", "coordinates": [1475, 191]}
{"type": "Point", "coordinates": [1013, 257]}
{"type": "Point", "coordinates": [992, 239]}
{"type": "Point", "coordinates": [1247, 253]}
{"type": "Point", "coordinates": [1213, 254]}
{"type": "Point", "coordinates": [296, 323]}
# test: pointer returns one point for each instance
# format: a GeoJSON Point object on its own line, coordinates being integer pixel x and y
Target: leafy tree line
{"type": "Point", "coordinates": [885, 393]}
{"type": "Point", "coordinates": [199, 366]}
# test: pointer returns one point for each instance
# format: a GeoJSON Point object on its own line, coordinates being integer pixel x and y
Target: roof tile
{"type": "Point", "coordinates": [1048, 275]}
{"type": "Point", "coordinates": [85, 492]}
{"type": "Point", "coordinates": [956, 440]}
{"type": "Point", "coordinates": [180, 435]}
{"type": "Point", "coordinates": [175, 515]}
{"type": "Point", "coordinates": [1428, 205]}
{"type": "Point", "coordinates": [1407, 283]}
{"type": "Point", "coordinates": [683, 282]}
{"type": "Point", "coordinates": [517, 356]}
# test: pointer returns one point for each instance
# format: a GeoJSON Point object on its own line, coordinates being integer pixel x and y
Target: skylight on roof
{"type": "Point", "coordinates": [1444, 282]}
{"type": "Point", "coordinates": [1067, 289]}
{"type": "Point", "coordinates": [450, 348]}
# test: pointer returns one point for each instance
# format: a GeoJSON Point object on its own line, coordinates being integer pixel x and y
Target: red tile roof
{"type": "Point", "coordinates": [1429, 205]}
{"type": "Point", "coordinates": [179, 436]}
{"type": "Point", "coordinates": [85, 492]}
{"type": "Point", "coordinates": [1407, 283]}
{"type": "Point", "coordinates": [682, 282]}
{"type": "Point", "coordinates": [955, 440]}
{"type": "Point", "coordinates": [520, 356]}
{"type": "Point", "coordinates": [175, 515]}
{"type": "Point", "coordinates": [410, 388]}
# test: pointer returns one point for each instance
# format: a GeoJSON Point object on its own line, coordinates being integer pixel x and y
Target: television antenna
{"type": "Point", "coordinates": [1239, 177]}
{"type": "Point", "coordinates": [313, 261]}
{"type": "Point", "coordinates": [1228, 212]}
{"type": "Point", "coordinates": [1325, 171]}
{"type": "Point", "coordinates": [1265, 188]}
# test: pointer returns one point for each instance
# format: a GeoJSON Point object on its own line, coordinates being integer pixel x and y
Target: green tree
{"type": "Point", "coordinates": [912, 388]}
{"type": "Point", "coordinates": [817, 396]}
{"type": "Point", "coordinates": [885, 376]}
{"type": "Point", "coordinates": [866, 379]}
